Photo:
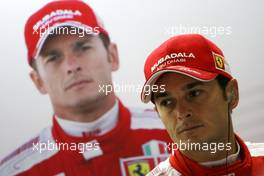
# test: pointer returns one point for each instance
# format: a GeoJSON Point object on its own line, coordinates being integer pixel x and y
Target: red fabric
{"type": "Point", "coordinates": [54, 13]}
{"type": "Point", "coordinates": [194, 48]}
{"type": "Point", "coordinates": [121, 142]}
{"type": "Point", "coordinates": [189, 54]}
{"type": "Point", "coordinates": [247, 166]}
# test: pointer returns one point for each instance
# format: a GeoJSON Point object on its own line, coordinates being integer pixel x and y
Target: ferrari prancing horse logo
{"type": "Point", "coordinates": [154, 152]}
{"type": "Point", "coordinates": [219, 61]}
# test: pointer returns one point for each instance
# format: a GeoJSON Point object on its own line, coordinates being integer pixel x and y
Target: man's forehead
{"type": "Point", "coordinates": [185, 86]}
{"type": "Point", "coordinates": [173, 83]}
{"type": "Point", "coordinates": [175, 79]}
{"type": "Point", "coordinates": [52, 40]}
{"type": "Point", "coordinates": [188, 85]}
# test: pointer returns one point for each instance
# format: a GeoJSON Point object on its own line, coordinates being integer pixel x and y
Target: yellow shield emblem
{"type": "Point", "coordinates": [219, 61]}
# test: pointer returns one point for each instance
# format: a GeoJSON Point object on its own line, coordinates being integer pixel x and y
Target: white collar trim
{"type": "Point", "coordinates": [101, 126]}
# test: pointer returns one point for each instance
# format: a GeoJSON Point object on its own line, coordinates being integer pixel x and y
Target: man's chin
{"type": "Point", "coordinates": [194, 138]}
{"type": "Point", "coordinates": [85, 100]}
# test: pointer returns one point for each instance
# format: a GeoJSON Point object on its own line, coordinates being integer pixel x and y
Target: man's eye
{"type": "Point", "coordinates": [85, 47]}
{"type": "Point", "coordinates": [194, 93]}
{"type": "Point", "coordinates": [166, 103]}
{"type": "Point", "coordinates": [51, 58]}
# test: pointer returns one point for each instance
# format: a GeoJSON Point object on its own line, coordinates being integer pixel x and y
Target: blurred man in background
{"type": "Point", "coordinates": [93, 133]}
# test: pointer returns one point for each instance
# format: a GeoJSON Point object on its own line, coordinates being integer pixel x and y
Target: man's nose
{"type": "Point", "coordinates": [183, 110]}
{"type": "Point", "coordinates": [73, 64]}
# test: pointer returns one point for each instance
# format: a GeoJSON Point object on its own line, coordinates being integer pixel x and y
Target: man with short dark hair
{"type": "Point", "coordinates": [93, 133]}
{"type": "Point", "coordinates": [195, 105]}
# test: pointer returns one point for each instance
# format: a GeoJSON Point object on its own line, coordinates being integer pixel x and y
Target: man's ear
{"type": "Point", "coordinates": [232, 93]}
{"type": "Point", "coordinates": [113, 56]}
{"type": "Point", "coordinates": [35, 77]}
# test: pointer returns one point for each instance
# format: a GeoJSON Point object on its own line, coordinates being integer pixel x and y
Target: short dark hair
{"type": "Point", "coordinates": [222, 81]}
{"type": "Point", "coordinates": [33, 64]}
{"type": "Point", "coordinates": [104, 37]}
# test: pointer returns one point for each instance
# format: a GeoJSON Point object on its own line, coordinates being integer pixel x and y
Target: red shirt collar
{"type": "Point", "coordinates": [188, 167]}
{"type": "Point", "coordinates": [107, 141]}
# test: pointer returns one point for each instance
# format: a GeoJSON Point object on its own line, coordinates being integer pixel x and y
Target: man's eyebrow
{"type": "Point", "coordinates": [160, 95]}
{"type": "Point", "coordinates": [82, 42]}
{"type": "Point", "coordinates": [188, 86]}
{"type": "Point", "coordinates": [75, 45]}
{"type": "Point", "coordinates": [192, 85]}
{"type": "Point", "coordinates": [48, 53]}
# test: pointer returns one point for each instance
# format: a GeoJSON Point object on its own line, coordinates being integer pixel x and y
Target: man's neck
{"type": "Point", "coordinates": [213, 155]}
{"type": "Point", "coordinates": [230, 159]}
{"type": "Point", "coordinates": [88, 112]}
{"type": "Point", "coordinates": [101, 126]}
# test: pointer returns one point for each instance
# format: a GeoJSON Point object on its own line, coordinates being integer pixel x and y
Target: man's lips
{"type": "Point", "coordinates": [189, 128]}
{"type": "Point", "coordinates": [77, 83]}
